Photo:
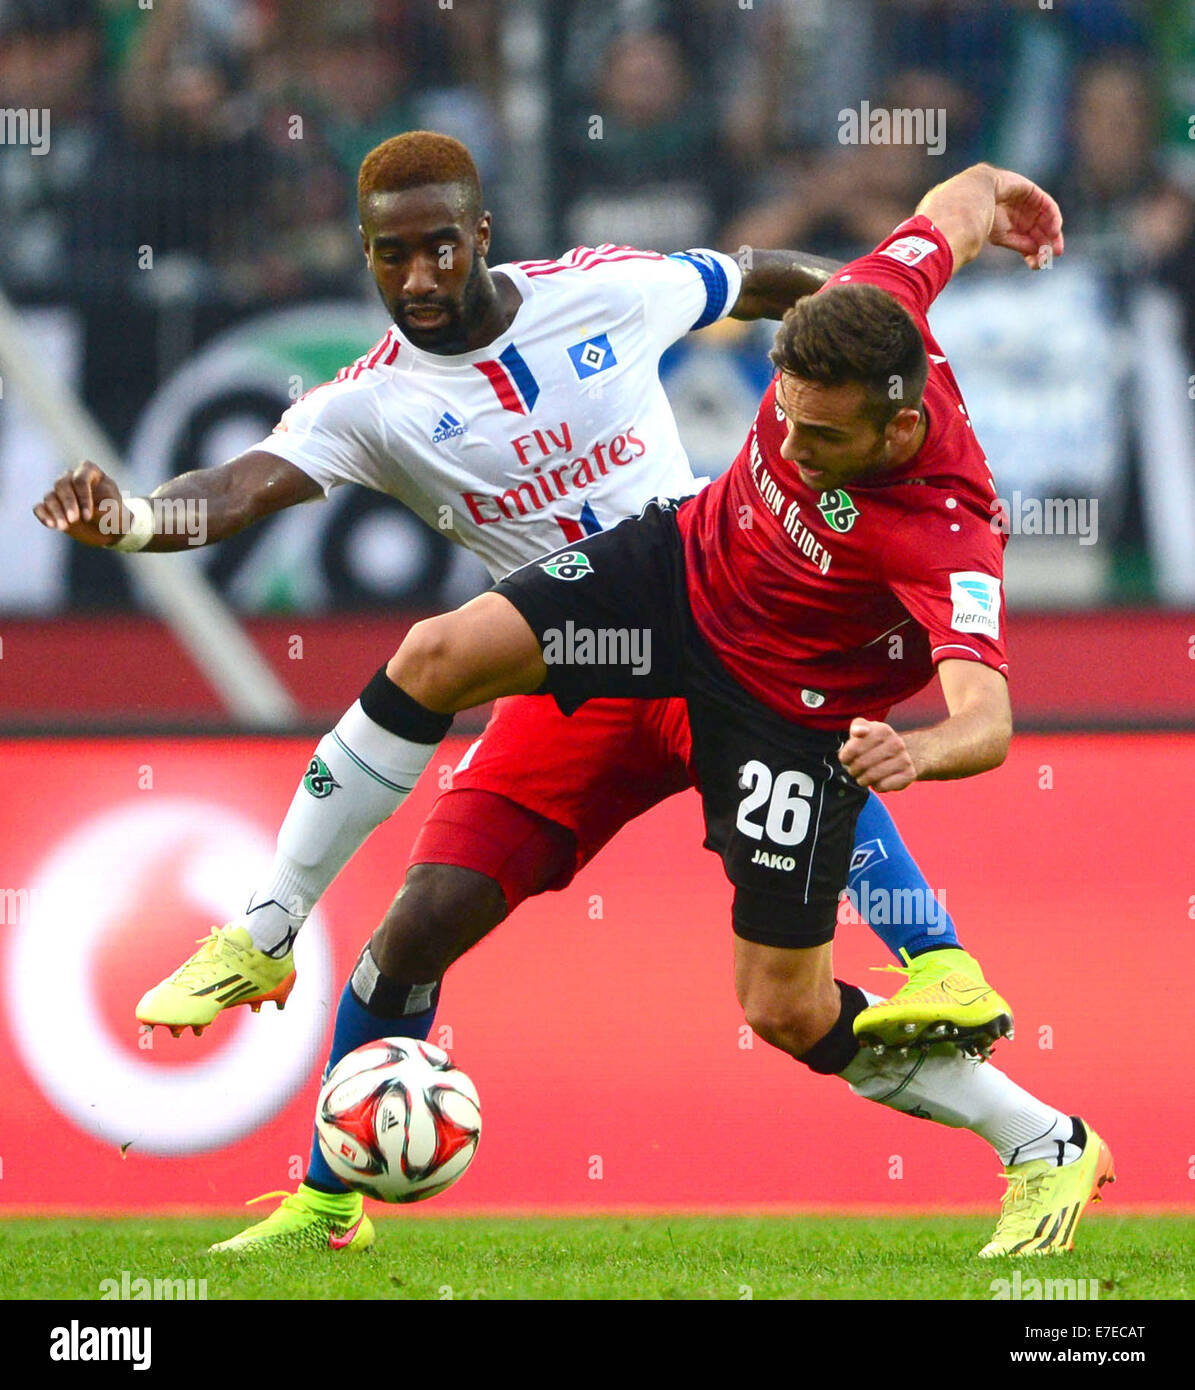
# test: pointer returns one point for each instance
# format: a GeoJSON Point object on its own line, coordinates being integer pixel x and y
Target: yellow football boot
{"type": "Point", "coordinates": [305, 1220]}
{"type": "Point", "coordinates": [227, 970]}
{"type": "Point", "coordinates": [945, 1000]}
{"type": "Point", "coordinates": [1044, 1202]}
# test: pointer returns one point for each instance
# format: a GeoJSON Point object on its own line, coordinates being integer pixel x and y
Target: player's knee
{"type": "Point", "coordinates": [427, 665]}
{"type": "Point", "coordinates": [765, 1023]}
{"type": "Point", "coordinates": [791, 1023]}
{"type": "Point", "coordinates": [438, 914]}
{"type": "Point", "coordinates": [780, 1023]}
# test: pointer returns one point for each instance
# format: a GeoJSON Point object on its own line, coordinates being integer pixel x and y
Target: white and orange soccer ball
{"type": "Point", "coordinates": [398, 1120]}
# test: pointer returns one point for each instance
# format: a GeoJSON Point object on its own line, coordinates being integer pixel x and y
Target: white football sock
{"type": "Point", "coordinates": [360, 775]}
{"type": "Point", "coordinates": [953, 1089]}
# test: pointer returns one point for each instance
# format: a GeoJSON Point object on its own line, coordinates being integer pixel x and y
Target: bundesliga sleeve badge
{"type": "Point", "coordinates": [910, 249]}
{"type": "Point", "coordinates": [975, 597]}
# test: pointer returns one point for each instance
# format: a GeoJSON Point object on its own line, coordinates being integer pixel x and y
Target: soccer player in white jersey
{"type": "Point", "coordinates": [515, 408]}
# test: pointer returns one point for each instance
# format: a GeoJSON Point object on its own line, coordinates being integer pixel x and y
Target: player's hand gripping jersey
{"type": "Point", "coordinates": [830, 605]}
{"type": "Point", "coordinates": [556, 430]}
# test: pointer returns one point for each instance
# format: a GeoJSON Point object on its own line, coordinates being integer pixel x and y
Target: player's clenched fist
{"type": "Point", "coordinates": [1025, 219]}
{"type": "Point", "coordinates": [875, 755]}
{"type": "Point", "coordinates": [85, 504]}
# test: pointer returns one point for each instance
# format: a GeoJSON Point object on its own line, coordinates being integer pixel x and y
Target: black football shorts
{"type": "Point", "coordinates": [612, 617]}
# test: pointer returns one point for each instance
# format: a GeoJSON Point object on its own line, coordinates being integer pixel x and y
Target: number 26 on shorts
{"type": "Point", "coordinates": [786, 796]}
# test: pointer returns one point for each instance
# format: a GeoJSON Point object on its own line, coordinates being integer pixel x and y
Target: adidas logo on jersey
{"type": "Point", "coordinates": [448, 428]}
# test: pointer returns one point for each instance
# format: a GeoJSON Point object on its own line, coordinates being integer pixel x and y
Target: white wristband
{"type": "Point", "coordinates": [139, 535]}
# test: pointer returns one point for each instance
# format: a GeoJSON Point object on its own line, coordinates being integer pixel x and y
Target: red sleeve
{"type": "Point", "coordinates": [914, 264]}
{"type": "Point", "coordinates": [951, 581]}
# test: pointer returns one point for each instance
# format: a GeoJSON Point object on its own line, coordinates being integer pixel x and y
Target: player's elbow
{"type": "Point", "coordinates": [1000, 749]}
{"type": "Point", "coordinates": [997, 740]}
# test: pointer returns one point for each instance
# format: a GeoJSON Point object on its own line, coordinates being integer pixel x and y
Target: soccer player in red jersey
{"type": "Point", "coordinates": [858, 510]}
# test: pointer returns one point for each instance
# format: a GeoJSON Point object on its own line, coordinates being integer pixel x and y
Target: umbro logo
{"type": "Point", "coordinates": [447, 428]}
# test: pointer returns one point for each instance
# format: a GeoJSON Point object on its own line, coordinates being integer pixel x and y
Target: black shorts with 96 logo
{"type": "Point", "coordinates": [612, 617]}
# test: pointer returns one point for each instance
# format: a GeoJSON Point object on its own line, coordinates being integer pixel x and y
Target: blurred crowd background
{"type": "Point", "coordinates": [225, 135]}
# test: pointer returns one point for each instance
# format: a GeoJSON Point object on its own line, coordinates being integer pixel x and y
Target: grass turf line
{"type": "Point", "coordinates": [1133, 1257]}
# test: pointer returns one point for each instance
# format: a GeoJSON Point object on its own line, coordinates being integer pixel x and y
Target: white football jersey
{"type": "Point", "coordinates": [557, 429]}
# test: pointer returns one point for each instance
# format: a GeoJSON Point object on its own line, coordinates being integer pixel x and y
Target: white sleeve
{"type": "Point", "coordinates": [680, 292]}
{"type": "Point", "coordinates": [688, 290]}
{"type": "Point", "coordinates": [331, 434]}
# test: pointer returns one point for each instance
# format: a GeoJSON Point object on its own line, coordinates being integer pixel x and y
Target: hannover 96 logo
{"type": "Point", "coordinates": [568, 564]}
{"type": "Point", "coordinates": [318, 780]}
{"type": "Point", "coordinates": [838, 509]}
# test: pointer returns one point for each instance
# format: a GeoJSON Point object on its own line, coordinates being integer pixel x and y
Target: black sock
{"type": "Point", "coordinates": [836, 1051]}
{"type": "Point", "coordinates": [1078, 1134]}
{"type": "Point", "coordinates": [390, 706]}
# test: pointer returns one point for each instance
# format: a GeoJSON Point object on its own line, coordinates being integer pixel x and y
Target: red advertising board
{"type": "Point", "coordinates": [1145, 675]}
{"type": "Point", "coordinates": [599, 1023]}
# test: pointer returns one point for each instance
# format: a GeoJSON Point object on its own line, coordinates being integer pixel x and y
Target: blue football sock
{"type": "Point", "coordinates": [885, 883]}
{"type": "Point", "coordinates": [356, 1026]}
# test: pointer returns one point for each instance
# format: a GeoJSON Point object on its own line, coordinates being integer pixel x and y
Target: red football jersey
{"type": "Point", "coordinates": [826, 606]}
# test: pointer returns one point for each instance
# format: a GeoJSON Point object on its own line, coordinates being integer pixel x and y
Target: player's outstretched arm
{"type": "Point", "coordinates": [985, 204]}
{"type": "Point", "coordinates": [973, 739]}
{"type": "Point", "coordinates": [193, 509]}
{"type": "Point", "coordinates": [773, 281]}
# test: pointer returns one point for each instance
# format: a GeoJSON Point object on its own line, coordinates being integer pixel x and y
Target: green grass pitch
{"type": "Point", "coordinates": [601, 1257]}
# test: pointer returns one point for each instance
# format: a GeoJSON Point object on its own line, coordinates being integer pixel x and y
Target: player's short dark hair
{"type": "Point", "coordinates": [855, 333]}
{"type": "Point", "coordinates": [415, 159]}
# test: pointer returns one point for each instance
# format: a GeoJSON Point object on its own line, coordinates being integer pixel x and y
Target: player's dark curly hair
{"type": "Point", "coordinates": [414, 159]}
{"type": "Point", "coordinates": [855, 333]}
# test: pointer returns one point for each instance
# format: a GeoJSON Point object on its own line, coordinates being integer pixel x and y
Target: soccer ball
{"type": "Point", "coordinates": [397, 1120]}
